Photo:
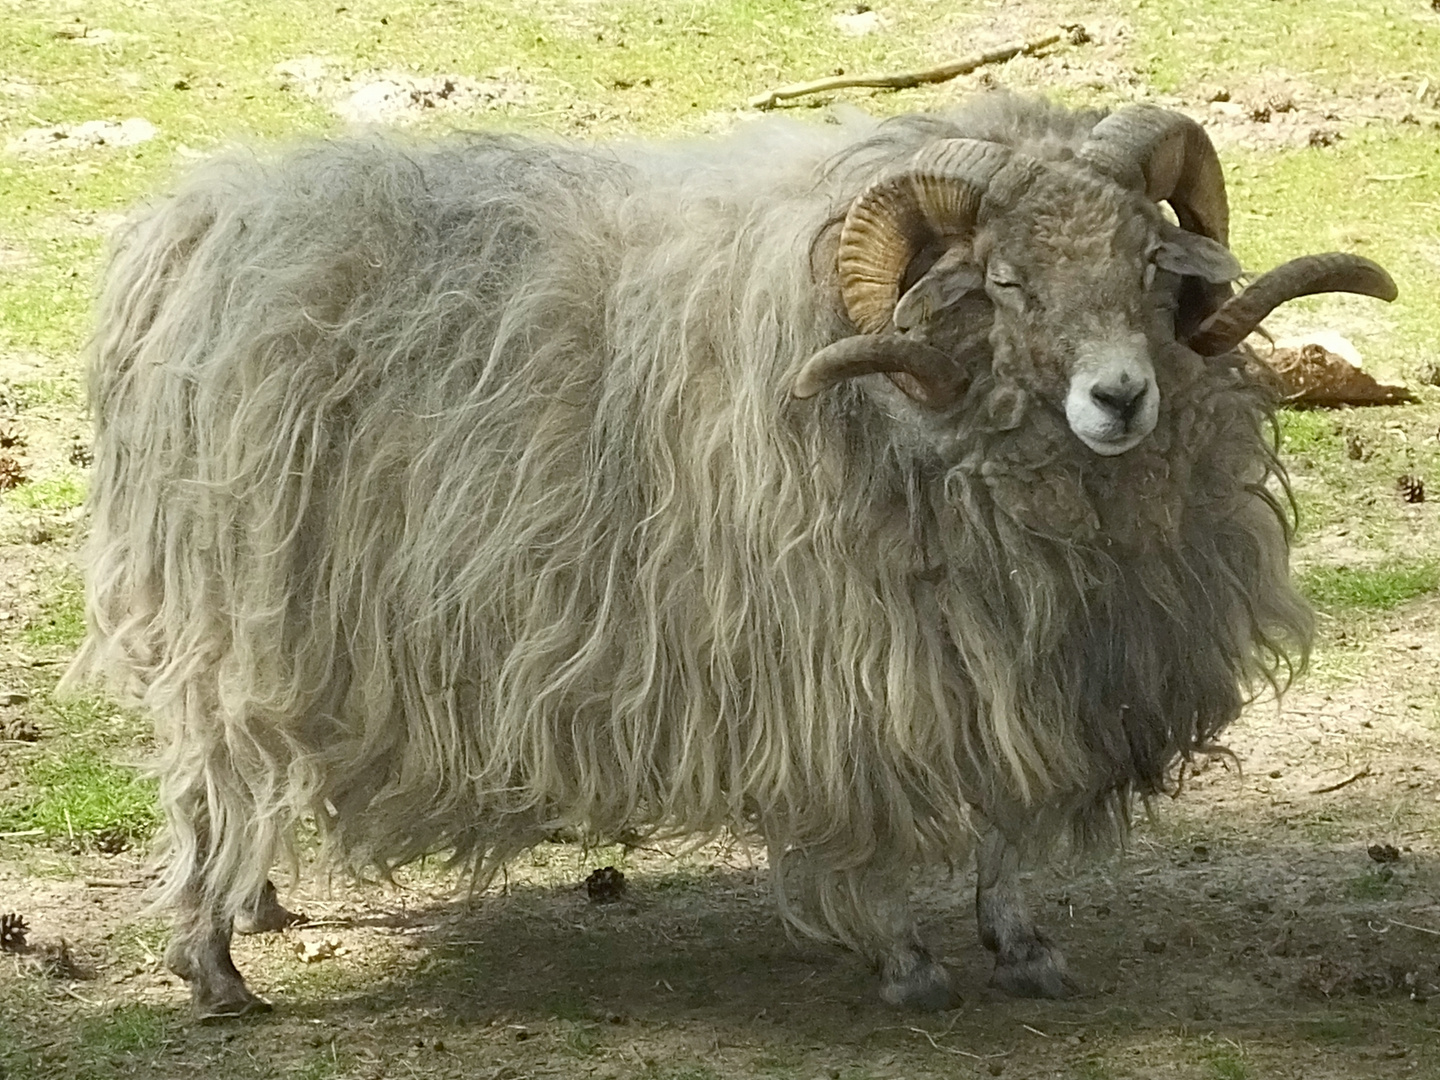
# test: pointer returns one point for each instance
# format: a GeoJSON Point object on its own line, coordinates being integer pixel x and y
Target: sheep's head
{"type": "Point", "coordinates": [1064, 275]}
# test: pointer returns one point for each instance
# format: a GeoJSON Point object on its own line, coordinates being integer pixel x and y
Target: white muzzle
{"type": "Point", "coordinates": [1113, 401]}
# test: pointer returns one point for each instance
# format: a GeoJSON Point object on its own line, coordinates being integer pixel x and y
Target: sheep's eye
{"type": "Point", "coordinates": [1005, 282]}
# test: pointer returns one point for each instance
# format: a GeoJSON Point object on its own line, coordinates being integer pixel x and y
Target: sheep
{"type": "Point", "coordinates": [891, 492]}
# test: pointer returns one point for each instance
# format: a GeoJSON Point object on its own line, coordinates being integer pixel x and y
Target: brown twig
{"type": "Point", "coordinates": [936, 1044]}
{"type": "Point", "coordinates": [1074, 35]}
{"type": "Point", "coordinates": [114, 883]}
{"type": "Point", "coordinates": [1343, 783]}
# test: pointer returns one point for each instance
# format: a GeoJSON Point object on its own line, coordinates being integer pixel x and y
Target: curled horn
{"type": "Point", "coordinates": [927, 375]}
{"type": "Point", "coordinates": [1334, 272]}
{"type": "Point", "coordinates": [1169, 157]}
{"type": "Point", "coordinates": [937, 197]}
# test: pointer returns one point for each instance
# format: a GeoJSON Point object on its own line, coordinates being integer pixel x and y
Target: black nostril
{"type": "Point", "coordinates": [1122, 400]}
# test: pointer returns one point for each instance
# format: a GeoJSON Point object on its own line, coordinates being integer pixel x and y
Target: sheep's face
{"type": "Point", "coordinates": [1069, 274]}
{"type": "Point", "coordinates": [1060, 278]}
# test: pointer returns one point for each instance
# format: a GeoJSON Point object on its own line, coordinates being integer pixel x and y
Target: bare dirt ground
{"type": "Point", "coordinates": [1279, 918]}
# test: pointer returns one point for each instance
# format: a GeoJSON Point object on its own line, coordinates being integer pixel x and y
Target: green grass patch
{"type": "Point", "coordinates": [125, 1030]}
{"type": "Point", "coordinates": [1340, 589]}
{"type": "Point", "coordinates": [1342, 1030]}
{"type": "Point", "coordinates": [1377, 884]}
{"type": "Point", "coordinates": [61, 619]}
{"type": "Point", "coordinates": [1308, 432]}
{"type": "Point", "coordinates": [1335, 44]}
{"type": "Point", "coordinates": [80, 791]}
{"type": "Point", "coordinates": [64, 491]}
{"type": "Point", "coordinates": [1226, 1065]}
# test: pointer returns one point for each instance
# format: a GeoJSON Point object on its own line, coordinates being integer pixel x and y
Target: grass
{"type": "Point", "coordinates": [1338, 590]}
{"type": "Point", "coordinates": [65, 491]}
{"type": "Point", "coordinates": [1226, 1065]}
{"type": "Point", "coordinates": [81, 792]}
{"type": "Point", "coordinates": [60, 622]}
{"type": "Point", "coordinates": [125, 1030]}
{"type": "Point", "coordinates": [1379, 883]}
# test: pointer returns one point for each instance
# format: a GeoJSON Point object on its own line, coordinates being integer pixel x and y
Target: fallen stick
{"type": "Point", "coordinates": [22, 832]}
{"type": "Point", "coordinates": [1343, 783]}
{"type": "Point", "coordinates": [1074, 35]}
{"type": "Point", "coordinates": [1412, 926]}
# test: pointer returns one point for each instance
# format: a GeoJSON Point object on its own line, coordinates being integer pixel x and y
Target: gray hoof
{"type": "Point", "coordinates": [266, 914]}
{"type": "Point", "coordinates": [1034, 970]}
{"type": "Point", "coordinates": [215, 1010]}
{"type": "Point", "coordinates": [915, 981]}
{"type": "Point", "coordinates": [217, 991]}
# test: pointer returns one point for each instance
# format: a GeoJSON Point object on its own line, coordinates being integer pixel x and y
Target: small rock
{"type": "Point", "coordinates": [1153, 945]}
{"type": "Point", "coordinates": [859, 22]}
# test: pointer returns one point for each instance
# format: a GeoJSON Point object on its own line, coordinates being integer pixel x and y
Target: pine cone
{"type": "Point", "coordinates": [10, 436]}
{"type": "Point", "coordinates": [1412, 488]}
{"type": "Point", "coordinates": [605, 885]}
{"type": "Point", "coordinates": [12, 473]}
{"type": "Point", "coordinates": [112, 840]}
{"type": "Point", "coordinates": [12, 933]}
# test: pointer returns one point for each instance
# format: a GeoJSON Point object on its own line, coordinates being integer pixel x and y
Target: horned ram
{"type": "Point", "coordinates": [890, 492]}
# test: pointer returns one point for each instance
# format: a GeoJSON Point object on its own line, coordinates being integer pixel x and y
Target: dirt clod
{"type": "Point", "coordinates": [1312, 375]}
{"type": "Point", "coordinates": [605, 885]}
{"type": "Point", "coordinates": [1153, 945]}
{"type": "Point", "coordinates": [1384, 853]}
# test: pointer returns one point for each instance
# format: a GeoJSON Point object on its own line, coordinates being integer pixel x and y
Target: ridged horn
{"type": "Point", "coordinates": [937, 196]}
{"type": "Point", "coordinates": [1169, 157]}
{"type": "Point", "coordinates": [926, 374]}
{"type": "Point", "coordinates": [1333, 272]}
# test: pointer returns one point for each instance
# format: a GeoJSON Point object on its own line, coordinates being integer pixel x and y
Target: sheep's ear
{"type": "Point", "coordinates": [1193, 255]}
{"type": "Point", "coordinates": [944, 284]}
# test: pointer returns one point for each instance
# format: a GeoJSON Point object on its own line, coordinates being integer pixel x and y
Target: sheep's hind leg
{"type": "Point", "coordinates": [199, 949]}
{"type": "Point", "coordinates": [199, 952]}
{"type": "Point", "coordinates": [266, 914]}
{"type": "Point", "coordinates": [910, 977]}
{"type": "Point", "coordinates": [1027, 964]}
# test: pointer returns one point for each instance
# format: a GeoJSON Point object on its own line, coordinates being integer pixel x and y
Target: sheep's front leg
{"type": "Point", "coordinates": [266, 914]}
{"type": "Point", "coordinates": [1026, 963]}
